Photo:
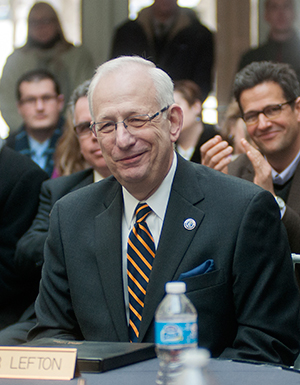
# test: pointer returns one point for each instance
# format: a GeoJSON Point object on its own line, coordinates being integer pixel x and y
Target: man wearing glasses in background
{"type": "Point", "coordinates": [40, 105]}
{"type": "Point", "coordinates": [268, 95]}
{"type": "Point", "coordinates": [106, 266]}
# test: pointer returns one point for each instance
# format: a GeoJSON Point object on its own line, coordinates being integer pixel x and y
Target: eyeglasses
{"type": "Point", "coordinates": [41, 22]}
{"type": "Point", "coordinates": [271, 112]}
{"type": "Point", "coordinates": [31, 101]}
{"type": "Point", "coordinates": [83, 129]}
{"type": "Point", "coordinates": [132, 123]}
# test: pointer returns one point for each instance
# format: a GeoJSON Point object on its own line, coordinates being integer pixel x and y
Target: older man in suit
{"type": "Point", "coordinates": [247, 309]}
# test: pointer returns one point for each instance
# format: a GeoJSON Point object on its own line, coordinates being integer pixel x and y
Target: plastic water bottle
{"type": "Point", "coordinates": [195, 372]}
{"type": "Point", "coordinates": [176, 329]}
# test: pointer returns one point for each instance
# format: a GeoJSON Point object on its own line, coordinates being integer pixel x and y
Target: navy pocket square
{"type": "Point", "coordinates": [204, 268]}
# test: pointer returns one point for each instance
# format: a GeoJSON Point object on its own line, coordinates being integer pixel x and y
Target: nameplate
{"type": "Point", "coordinates": [37, 363]}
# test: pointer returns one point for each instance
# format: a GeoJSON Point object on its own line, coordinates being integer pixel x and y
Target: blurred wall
{"type": "Point", "coordinates": [232, 38]}
{"type": "Point", "coordinates": [99, 17]}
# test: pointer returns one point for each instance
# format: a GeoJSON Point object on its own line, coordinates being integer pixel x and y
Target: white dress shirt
{"type": "Point", "coordinates": [158, 203]}
{"type": "Point", "coordinates": [286, 174]}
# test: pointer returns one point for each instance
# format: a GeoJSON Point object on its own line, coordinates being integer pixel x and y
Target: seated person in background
{"type": "Point", "coordinates": [40, 104]}
{"type": "Point", "coordinates": [70, 155]}
{"type": "Point", "coordinates": [233, 129]}
{"type": "Point", "coordinates": [268, 96]}
{"type": "Point", "coordinates": [46, 48]}
{"type": "Point", "coordinates": [248, 302]}
{"type": "Point", "coordinates": [194, 132]}
{"type": "Point", "coordinates": [20, 185]}
{"type": "Point", "coordinates": [29, 253]}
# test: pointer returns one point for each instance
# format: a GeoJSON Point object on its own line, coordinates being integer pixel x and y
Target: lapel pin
{"type": "Point", "coordinates": [189, 224]}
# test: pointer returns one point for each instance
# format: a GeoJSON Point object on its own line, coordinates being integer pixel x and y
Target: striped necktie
{"type": "Point", "coordinates": [140, 255]}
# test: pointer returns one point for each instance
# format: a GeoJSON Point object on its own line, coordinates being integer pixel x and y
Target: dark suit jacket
{"type": "Point", "coordinates": [243, 168]}
{"type": "Point", "coordinates": [29, 255]}
{"type": "Point", "coordinates": [208, 133]}
{"type": "Point", "coordinates": [20, 185]}
{"type": "Point", "coordinates": [287, 51]}
{"type": "Point", "coordinates": [246, 308]}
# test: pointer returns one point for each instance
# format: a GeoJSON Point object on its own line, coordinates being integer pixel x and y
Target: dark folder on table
{"type": "Point", "coordinates": [94, 356]}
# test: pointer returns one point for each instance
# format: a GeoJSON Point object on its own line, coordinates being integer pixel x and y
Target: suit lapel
{"type": "Point", "coordinates": [175, 239]}
{"type": "Point", "coordinates": [109, 257]}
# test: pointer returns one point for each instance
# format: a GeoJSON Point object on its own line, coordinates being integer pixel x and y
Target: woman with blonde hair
{"type": "Point", "coordinates": [68, 157]}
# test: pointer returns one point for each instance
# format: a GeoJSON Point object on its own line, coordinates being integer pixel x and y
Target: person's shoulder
{"type": "Point", "coordinates": [19, 59]}
{"type": "Point", "coordinates": [94, 192]}
{"type": "Point", "coordinates": [253, 54]}
{"type": "Point", "coordinates": [18, 140]}
{"type": "Point", "coordinates": [8, 154]}
{"type": "Point", "coordinates": [215, 184]}
{"type": "Point", "coordinates": [18, 163]}
{"type": "Point", "coordinates": [194, 22]}
{"type": "Point", "coordinates": [211, 129]}
{"type": "Point", "coordinates": [11, 139]}
{"type": "Point", "coordinates": [17, 53]}
{"type": "Point", "coordinates": [68, 180]}
{"type": "Point", "coordinates": [128, 26]}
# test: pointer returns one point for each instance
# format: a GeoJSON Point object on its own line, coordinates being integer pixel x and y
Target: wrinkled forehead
{"type": "Point", "coordinates": [124, 88]}
{"type": "Point", "coordinates": [37, 87]}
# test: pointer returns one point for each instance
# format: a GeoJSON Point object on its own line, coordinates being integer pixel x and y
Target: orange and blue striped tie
{"type": "Point", "coordinates": [140, 256]}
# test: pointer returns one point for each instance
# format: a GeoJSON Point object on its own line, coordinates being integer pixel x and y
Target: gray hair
{"type": "Point", "coordinates": [162, 82]}
{"type": "Point", "coordinates": [79, 92]}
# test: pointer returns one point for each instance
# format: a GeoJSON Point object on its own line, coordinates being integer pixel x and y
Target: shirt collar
{"type": "Point", "coordinates": [97, 176]}
{"type": "Point", "coordinates": [38, 148]}
{"type": "Point", "coordinates": [286, 174]}
{"type": "Point", "coordinates": [158, 201]}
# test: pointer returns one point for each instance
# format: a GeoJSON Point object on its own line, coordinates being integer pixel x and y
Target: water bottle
{"type": "Point", "coordinates": [195, 372]}
{"type": "Point", "coordinates": [176, 329]}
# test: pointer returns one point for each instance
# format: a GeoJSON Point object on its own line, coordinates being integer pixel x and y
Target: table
{"type": "Point", "coordinates": [225, 372]}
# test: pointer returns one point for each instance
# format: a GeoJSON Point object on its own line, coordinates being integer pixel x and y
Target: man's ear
{"type": "Point", "coordinates": [175, 116]}
{"type": "Point", "coordinates": [297, 108]}
{"type": "Point", "coordinates": [61, 101]}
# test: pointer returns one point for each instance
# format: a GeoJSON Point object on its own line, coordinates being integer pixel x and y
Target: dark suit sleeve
{"type": "Point", "coordinates": [17, 214]}
{"type": "Point", "coordinates": [53, 306]}
{"type": "Point", "coordinates": [265, 296]}
{"type": "Point", "coordinates": [29, 254]}
{"type": "Point", "coordinates": [291, 221]}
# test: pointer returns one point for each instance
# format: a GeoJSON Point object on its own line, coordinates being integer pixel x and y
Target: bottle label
{"type": "Point", "coordinates": [181, 333]}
